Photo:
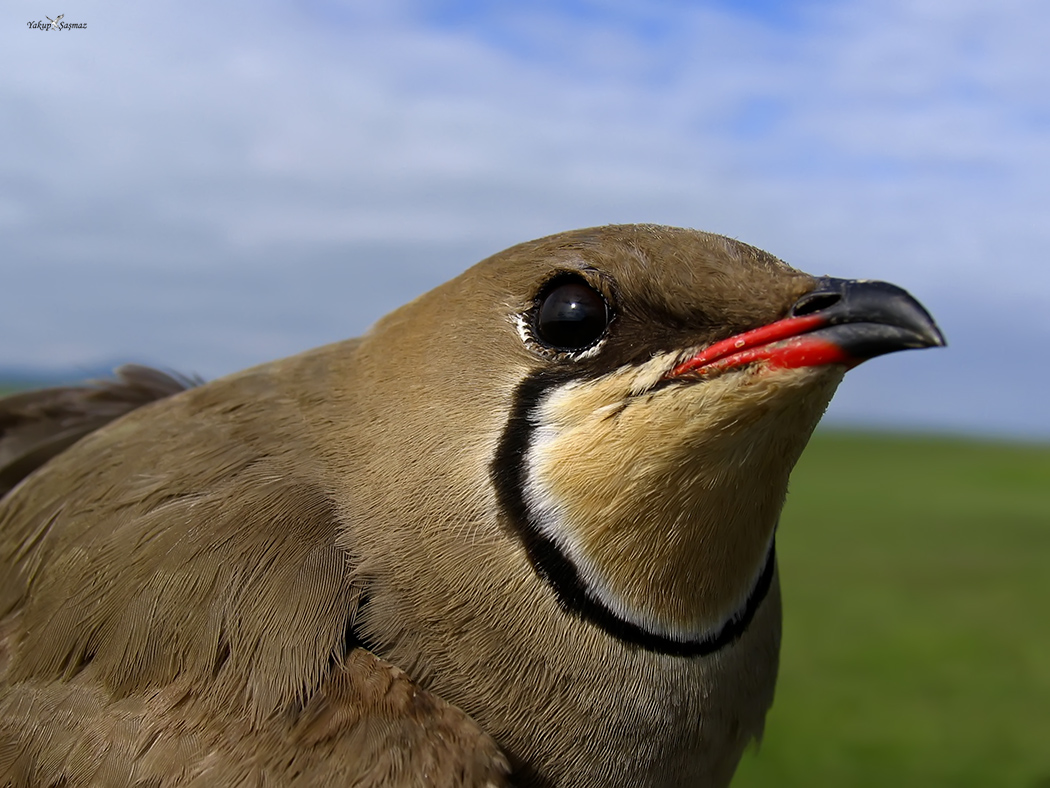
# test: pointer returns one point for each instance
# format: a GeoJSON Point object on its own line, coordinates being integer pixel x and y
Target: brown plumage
{"type": "Point", "coordinates": [563, 543]}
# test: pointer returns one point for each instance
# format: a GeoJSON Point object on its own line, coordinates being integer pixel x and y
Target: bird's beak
{"type": "Point", "coordinates": [840, 321]}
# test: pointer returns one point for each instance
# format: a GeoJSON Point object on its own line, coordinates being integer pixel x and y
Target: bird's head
{"type": "Point", "coordinates": [633, 398]}
{"type": "Point", "coordinates": [565, 472]}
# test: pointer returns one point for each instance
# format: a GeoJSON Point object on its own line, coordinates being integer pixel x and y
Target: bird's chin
{"type": "Point", "coordinates": [733, 410]}
{"type": "Point", "coordinates": [761, 372]}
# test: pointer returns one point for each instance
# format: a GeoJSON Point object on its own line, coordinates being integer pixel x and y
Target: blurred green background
{"type": "Point", "coordinates": [916, 582]}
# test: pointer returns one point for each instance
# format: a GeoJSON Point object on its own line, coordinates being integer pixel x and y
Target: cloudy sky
{"type": "Point", "coordinates": [207, 186]}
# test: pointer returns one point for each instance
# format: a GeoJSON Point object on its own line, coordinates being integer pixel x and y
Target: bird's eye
{"type": "Point", "coordinates": [572, 315]}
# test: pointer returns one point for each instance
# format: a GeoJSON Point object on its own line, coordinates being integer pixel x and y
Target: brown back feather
{"type": "Point", "coordinates": [37, 425]}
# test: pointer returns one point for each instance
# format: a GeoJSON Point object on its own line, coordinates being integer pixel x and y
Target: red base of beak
{"type": "Point", "coordinates": [785, 344]}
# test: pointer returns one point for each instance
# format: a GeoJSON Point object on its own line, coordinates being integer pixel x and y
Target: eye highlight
{"type": "Point", "coordinates": [571, 315]}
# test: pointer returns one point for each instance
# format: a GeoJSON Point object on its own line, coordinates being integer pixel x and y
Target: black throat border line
{"type": "Point", "coordinates": [509, 475]}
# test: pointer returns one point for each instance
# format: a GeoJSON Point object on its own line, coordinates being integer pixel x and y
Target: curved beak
{"type": "Point", "coordinates": [840, 321]}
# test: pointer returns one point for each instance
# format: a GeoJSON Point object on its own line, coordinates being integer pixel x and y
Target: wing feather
{"type": "Point", "coordinates": [38, 425]}
{"type": "Point", "coordinates": [176, 608]}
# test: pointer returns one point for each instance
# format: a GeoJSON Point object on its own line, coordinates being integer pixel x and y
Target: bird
{"type": "Point", "coordinates": [520, 532]}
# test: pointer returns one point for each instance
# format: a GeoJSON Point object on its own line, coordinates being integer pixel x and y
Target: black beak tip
{"type": "Point", "coordinates": [869, 318]}
{"type": "Point", "coordinates": [935, 336]}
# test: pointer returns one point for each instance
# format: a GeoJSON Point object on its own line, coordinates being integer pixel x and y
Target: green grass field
{"type": "Point", "coordinates": [916, 580]}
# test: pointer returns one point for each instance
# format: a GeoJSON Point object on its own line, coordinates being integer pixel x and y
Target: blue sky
{"type": "Point", "coordinates": [208, 187]}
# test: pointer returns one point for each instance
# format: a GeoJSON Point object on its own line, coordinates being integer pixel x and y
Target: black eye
{"type": "Point", "coordinates": [572, 315]}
